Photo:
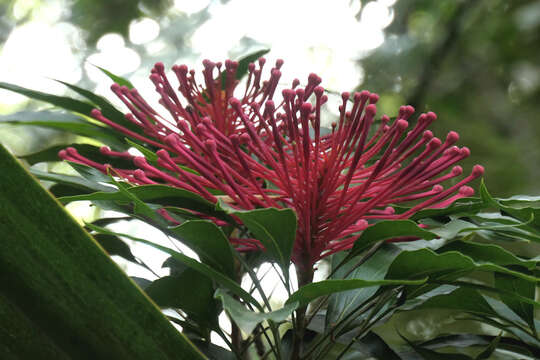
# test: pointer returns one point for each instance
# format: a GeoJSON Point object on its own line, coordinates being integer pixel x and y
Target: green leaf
{"type": "Point", "coordinates": [487, 253]}
{"type": "Point", "coordinates": [244, 62]}
{"type": "Point", "coordinates": [247, 320]}
{"type": "Point", "coordinates": [89, 151]}
{"type": "Point", "coordinates": [148, 154]}
{"type": "Point", "coordinates": [199, 303]}
{"type": "Point", "coordinates": [66, 122]}
{"type": "Point", "coordinates": [213, 351]}
{"type": "Point", "coordinates": [514, 346]}
{"type": "Point", "coordinates": [388, 229]}
{"type": "Point", "coordinates": [488, 351]}
{"type": "Point", "coordinates": [204, 269]}
{"type": "Point", "coordinates": [426, 262]}
{"type": "Point", "coordinates": [521, 287]}
{"type": "Point", "coordinates": [59, 190]}
{"type": "Point", "coordinates": [114, 246]}
{"type": "Point", "coordinates": [463, 206]}
{"type": "Point", "coordinates": [107, 109]}
{"type": "Point", "coordinates": [63, 102]}
{"type": "Point", "coordinates": [82, 294]}
{"type": "Point", "coordinates": [374, 268]}
{"type": "Point", "coordinates": [310, 292]}
{"type": "Point", "coordinates": [70, 180]}
{"type": "Point", "coordinates": [428, 354]}
{"type": "Point", "coordinates": [276, 230]}
{"type": "Point", "coordinates": [90, 173]}
{"type": "Point", "coordinates": [209, 242]}
{"type": "Point", "coordinates": [462, 299]}
{"type": "Point", "coordinates": [157, 194]}
{"type": "Point", "coordinates": [373, 345]}
{"type": "Point", "coordinates": [117, 79]}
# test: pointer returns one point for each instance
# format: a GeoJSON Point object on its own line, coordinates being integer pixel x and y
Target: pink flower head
{"type": "Point", "coordinates": [273, 154]}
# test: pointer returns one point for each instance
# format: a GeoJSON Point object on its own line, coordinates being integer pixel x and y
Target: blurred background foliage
{"type": "Point", "coordinates": [476, 63]}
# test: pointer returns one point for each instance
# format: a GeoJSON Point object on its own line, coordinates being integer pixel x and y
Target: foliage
{"type": "Point", "coordinates": [471, 261]}
{"type": "Point", "coordinates": [475, 62]}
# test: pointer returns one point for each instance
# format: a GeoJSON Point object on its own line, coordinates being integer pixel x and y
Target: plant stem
{"type": "Point", "coordinates": [304, 273]}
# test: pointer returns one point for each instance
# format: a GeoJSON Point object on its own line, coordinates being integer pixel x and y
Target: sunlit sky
{"type": "Point", "coordinates": [325, 37]}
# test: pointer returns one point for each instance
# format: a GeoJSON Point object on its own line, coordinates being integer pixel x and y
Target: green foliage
{"type": "Point", "coordinates": [461, 261]}
{"type": "Point", "coordinates": [82, 295]}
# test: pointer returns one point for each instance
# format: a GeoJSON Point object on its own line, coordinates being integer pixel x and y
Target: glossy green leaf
{"type": "Point", "coordinates": [310, 292]}
{"type": "Point", "coordinates": [63, 102]}
{"type": "Point", "coordinates": [488, 253]}
{"type": "Point", "coordinates": [246, 319]}
{"type": "Point", "coordinates": [209, 242]}
{"type": "Point", "coordinates": [426, 262]}
{"type": "Point", "coordinates": [199, 303]}
{"type": "Point", "coordinates": [275, 229]}
{"type": "Point", "coordinates": [82, 294]}
{"type": "Point", "coordinates": [385, 230]}
{"type": "Point", "coordinates": [464, 206]}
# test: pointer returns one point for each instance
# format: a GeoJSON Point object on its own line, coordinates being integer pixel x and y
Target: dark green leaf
{"type": "Point", "coordinates": [426, 262]}
{"type": "Point", "coordinates": [385, 230]}
{"type": "Point", "coordinates": [310, 292]}
{"type": "Point", "coordinates": [59, 190]}
{"type": "Point", "coordinates": [487, 253]}
{"type": "Point", "coordinates": [70, 180]}
{"type": "Point", "coordinates": [246, 319]}
{"type": "Point", "coordinates": [83, 295]}
{"type": "Point", "coordinates": [214, 352]}
{"type": "Point", "coordinates": [428, 354]}
{"type": "Point", "coordinates": [114, 246]}
{"type": "Point", "coordinates": [276, 229]}
{"type": "Point", "coordinates": [209, 242]}
{"type": "Point", "coordinates": [63, 102]}
{"type": "Point", "coordinates": [189, 291]}
{"type": "Point", "coordinates": [141, 282]}
{"type": "Point", "coordinates": [521, 287]}
{"type": "Point", "coordinates": [488, 351]}
{"type": "Point", "coordinates": [373, 345]}
{"type": "Point", "coordinates": [107, 109]}
{"type": "Point", "coordinates": [66, 122]}
{"type": "Point", "coordinates": [89, 151]}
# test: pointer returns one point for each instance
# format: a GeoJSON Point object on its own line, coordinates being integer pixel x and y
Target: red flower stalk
{"type": "Point", "coordinates": [259, 154]}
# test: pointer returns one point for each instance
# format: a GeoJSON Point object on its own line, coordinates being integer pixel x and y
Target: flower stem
{"type": "Point", "coordinates": [304, 273]}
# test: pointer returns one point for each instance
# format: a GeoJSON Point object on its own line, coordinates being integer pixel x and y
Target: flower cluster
{"type": "Point", "coordinates": [260, 152]}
